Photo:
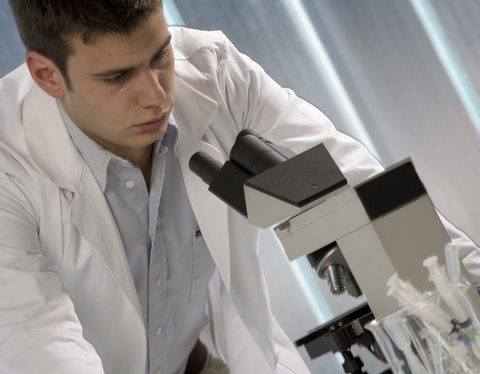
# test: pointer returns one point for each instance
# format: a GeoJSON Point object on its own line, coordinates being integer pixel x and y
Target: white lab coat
{"type": "Point", "coordinates": [68, 302]}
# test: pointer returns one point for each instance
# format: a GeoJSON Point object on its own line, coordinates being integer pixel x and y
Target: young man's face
{"type": "Point", "coordinates": [123, 87]}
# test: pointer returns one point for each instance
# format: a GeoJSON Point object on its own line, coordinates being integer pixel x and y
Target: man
{"type": "Point", "coordinates": [110, 247]}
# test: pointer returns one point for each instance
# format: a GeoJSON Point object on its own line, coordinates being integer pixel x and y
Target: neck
{"type": "Point", "coordinates": [141, 158]}
{"type": "Point", "coordinates": [144, 161]}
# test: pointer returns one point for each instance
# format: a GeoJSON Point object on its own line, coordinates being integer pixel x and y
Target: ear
{"type": "Point", "coordinates": [45, 74]}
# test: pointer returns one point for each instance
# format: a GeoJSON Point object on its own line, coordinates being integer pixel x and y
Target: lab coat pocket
{"type": "Point", "coordinates": [202, 267]}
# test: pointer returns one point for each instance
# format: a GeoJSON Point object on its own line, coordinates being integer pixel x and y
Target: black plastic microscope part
{"type": "Point", "coordinates": [261, 165]}
{"type": "Point", "coordinates": [327, 338]}
{"type": "Point", "coordinates": [253, 155]}
{"type": "Point", "coordinates": [250, 155]}
{"type": "Point", "coordinates": [225, 181]}
{"type": "Point", "coordinates": [228, 186]}
{"type": "Point", "coordinates": [340, 334]}
{"type": "Point", "coordinates": [301, 179]}
{"type": "Point", "coordinates": [352, 365]}
{"type": "Point", "coordinates": [390, 190]}
{"type": "Point", "coordinates": [285, 152]}
{"type": "Point", "coordinates": [205, 166]}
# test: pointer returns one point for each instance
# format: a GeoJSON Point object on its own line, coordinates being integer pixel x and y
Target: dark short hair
{"type": "Point", "coordinates": [47, 26]}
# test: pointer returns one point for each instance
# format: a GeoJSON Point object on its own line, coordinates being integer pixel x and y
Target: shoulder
{"type": "Point", "coordinates": [208, 61]}
{"type": "Point", "coordinates": [199, 55]}
{"type": "Point", "coordinates": [14, 87]}
{"type": "Point", "coordinates": [15, 160]}
{"type": "Point", "coordinates": [188, 43]}
{"type": "Point", "coordinates": [15, 84]}
{"type": "Point", "coordinates": [198, 58]}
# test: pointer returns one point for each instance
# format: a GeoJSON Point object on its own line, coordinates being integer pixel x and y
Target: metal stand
{"type": "Point", "coordinates": [339, 335]}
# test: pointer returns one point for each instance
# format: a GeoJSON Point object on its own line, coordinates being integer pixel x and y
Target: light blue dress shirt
{"type": "Point", "coordinates": [169, 261]}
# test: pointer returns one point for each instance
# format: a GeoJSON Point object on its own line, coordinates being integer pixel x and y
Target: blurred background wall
{"type": "Point", "coordinates": [400, 76]}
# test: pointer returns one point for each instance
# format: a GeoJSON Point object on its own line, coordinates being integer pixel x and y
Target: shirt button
{"type": "Point", "coordinates": [159, 330]}
{"type": "Point", "coordinates": [165, 149]}
{"type": "Point", "coordinates": [130, 184]}
{"type": "Point", "coordinates": [157, 283]}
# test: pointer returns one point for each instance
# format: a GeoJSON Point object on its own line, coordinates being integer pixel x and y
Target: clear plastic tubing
{"type": "Point", "coordinates": [443, 286]}
{"type": "Point", "coordinates": [407, 296]}
{"type": "Point", "coordinates": [411, 292]}
{"type": "Point", "coordinates": [453, 263]}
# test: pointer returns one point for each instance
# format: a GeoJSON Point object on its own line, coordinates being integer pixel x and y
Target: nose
{"type": "Point", "coordinates": [150, 91]}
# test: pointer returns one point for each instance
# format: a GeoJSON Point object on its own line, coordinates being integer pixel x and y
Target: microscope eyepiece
{"type": "Point", "coordinates": [253, 155]}
{"type": "Point", "coordinates": [205, 166]}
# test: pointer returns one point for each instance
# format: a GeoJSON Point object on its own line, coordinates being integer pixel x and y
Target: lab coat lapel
{"type": "Point", "coordinates": [91, 214]}
{"type": "Point", "coordinates": [194, 115]}
{"type": "Point", "coordinates": [229, 237]}
{"type": "Point", "coordinates": [55, 156]}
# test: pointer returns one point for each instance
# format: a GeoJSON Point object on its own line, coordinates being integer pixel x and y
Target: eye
{"type": "Point", "coordinates": [117, 79]}
{"type": "Point", "coordinates": [159, 57]}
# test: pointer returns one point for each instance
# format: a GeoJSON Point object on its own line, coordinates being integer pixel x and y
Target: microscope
{"type": "Point", "coordinates": [355, 237]}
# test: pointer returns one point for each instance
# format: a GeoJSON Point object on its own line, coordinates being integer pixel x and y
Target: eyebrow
{"type": "Point", "coordinates": [113, 72]}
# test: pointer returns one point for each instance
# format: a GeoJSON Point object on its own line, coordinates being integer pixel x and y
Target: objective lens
{"type": "Point", "coordinates": [352, 286]}
{"type": "Point", "coordinates": [336, 278]}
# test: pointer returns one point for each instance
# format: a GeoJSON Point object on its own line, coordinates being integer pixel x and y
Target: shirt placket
{"type": "Point", "coordinates": [158, 272]}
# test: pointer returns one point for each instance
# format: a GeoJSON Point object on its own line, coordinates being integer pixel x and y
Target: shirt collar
{"type": "Point", "coordinates": [98, 158]}
{"type": "Point", "coordinates": [170, 138]}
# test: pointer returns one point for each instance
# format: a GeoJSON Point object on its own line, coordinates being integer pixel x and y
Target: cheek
{"type": "Point", "coordinates": [119, 107]}
{"type": "Point", "coordinates": [91, 104]}
{"type": "Point", "coordinates": [98, 109]}
{"type": "Point", "coordinates": [111, 102]}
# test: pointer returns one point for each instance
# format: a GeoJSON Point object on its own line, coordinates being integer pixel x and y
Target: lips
{"type": "Point", "coordinates": [153, 124]}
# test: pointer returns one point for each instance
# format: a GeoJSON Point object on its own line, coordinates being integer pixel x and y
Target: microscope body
{"type": "Point", "coordinates": [383, 226]}
{"type": "Point", "coordinates": [360, 235]}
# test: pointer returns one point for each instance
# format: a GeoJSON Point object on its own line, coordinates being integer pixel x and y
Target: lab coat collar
{"type": "Point", "coordinates": [50, 145]}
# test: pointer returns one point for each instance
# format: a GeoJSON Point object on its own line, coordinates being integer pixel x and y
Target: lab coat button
{"type": "Point", "coordinates": [159, 330]}
{"type": "Point", "coordinates": [130, 184]}
{"type": "Point", "coordinates": [157, 283]}
{"type": "Point", "coordinates": [158, 371]}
